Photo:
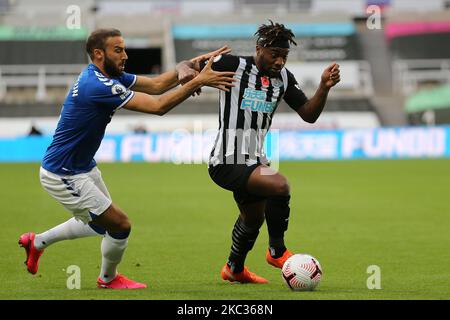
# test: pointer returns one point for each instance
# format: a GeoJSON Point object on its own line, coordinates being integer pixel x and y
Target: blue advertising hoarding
{"type": "Point", "coordinates": [182, 146]}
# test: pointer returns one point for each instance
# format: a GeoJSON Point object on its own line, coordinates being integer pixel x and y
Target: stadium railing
{"type": "Point", "coordinates": [410, 74]}
{"type": "Point", "coordinates": [40, 77]}
{"type": "Point", "coordinates": [356, 77]}
{"type": "Point", "coordinates": [358, 81]}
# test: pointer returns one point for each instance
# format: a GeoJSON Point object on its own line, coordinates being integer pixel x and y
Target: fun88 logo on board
{"type": "Point", "coordinates": [255, 100]}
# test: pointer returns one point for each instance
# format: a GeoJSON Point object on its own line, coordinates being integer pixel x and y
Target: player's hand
{"type": "Point", "coordinates": [197, 60]}
{"type": "Point", "coordinates": [185, 72]}
{"type": "Point", "coordinates": [216, 79]}
{"type": "Point", "coordinates": [197, 93]}
{"type": "Point", "coordinates": [331, 75]}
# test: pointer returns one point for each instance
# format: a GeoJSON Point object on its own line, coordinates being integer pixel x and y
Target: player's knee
{"type": "Point", "coordinates": [282, 187]}
{"type": "Point", "coordinates": [120, 224]}
{"type": "Point", "coordinates": [121, 229]}
{"type": "Point", "coordinates": [124, 224]}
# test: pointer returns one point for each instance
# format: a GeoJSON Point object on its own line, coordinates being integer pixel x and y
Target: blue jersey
{"type": "Point", "coordinates": [87, 110]}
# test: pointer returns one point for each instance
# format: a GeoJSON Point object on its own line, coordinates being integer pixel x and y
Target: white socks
{"type": "Point", "coordinates": [112, 249]}
{"type": "Point", "coordinates": [71, 229]}
{"type": "Point", "coordinates": [112, 252]}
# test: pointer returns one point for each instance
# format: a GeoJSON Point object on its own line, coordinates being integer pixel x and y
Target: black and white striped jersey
{"type": "Point", "coordinates": [246, 112]}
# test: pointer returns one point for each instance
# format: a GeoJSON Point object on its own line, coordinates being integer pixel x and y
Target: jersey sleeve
{"type": "Point", "coordinates": [223, 62]}
{"type": "Point", "coordinates": [110, 93]}
{"type": "Point", "coordinates": [294, 96]}
{"type": "Point", "coordinates": [127, 79]}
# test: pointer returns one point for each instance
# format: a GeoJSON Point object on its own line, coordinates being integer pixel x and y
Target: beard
{"type": "Point", "coordinates": [111, 69]}
{"type": "Point", "coordinates": [273, 74]}
{"type": "Point", "coordinates": [268, 71]}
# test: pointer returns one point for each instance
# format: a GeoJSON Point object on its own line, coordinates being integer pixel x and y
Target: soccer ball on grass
{"type": "Point", "coordinates": [302, 272]}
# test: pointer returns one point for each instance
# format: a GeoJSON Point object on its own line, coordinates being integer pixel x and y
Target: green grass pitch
{"type": "Point", "coordinates": [349, 215]}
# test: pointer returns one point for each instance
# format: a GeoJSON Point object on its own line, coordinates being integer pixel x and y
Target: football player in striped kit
{"type": "Point", "coordinates": [237, 162]}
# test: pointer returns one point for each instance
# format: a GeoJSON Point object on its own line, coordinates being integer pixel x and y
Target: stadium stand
{"type": "Point", "coordinates": [419, 43]}
{"type": "Point", "coordinates": [379, 69]}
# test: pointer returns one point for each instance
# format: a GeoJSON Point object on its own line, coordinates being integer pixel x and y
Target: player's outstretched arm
{"type": "Point", "coordinates": [183, 73]}
{"type": "Point", "coordinates": [142, 102]}
{"type": "Point", "coordinates": [201, 58]}
{"type": "Point", "coordinates": [312, 109]}
{"type": "Point", "coordinates": [164, 82]}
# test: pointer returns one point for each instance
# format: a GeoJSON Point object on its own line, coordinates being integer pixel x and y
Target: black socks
{"type": "Point", "coordinates": [277, 219]}
{"type": "Point", "coordinates": [244, 238]}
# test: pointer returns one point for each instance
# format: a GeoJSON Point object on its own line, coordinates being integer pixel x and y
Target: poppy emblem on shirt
{"type": "Point", "coordinates": [265, 81]}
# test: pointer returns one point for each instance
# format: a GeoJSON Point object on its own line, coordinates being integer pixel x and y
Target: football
{"type": "Point", "coordinates": [302, 272]}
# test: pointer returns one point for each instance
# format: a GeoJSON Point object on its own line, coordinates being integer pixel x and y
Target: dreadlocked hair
{"type": "Point", "coordinates": [268, 33]}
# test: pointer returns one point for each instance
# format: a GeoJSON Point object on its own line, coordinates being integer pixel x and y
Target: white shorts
{"type": "Point", "coordinates": [82, 194]}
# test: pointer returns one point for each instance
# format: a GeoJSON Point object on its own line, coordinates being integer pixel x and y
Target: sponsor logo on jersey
{"type": "Point", "coordinates": [255, 100]}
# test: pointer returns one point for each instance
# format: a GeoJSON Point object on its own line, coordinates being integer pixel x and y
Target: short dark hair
{"type": "Point", "coordinates": [97, 39]}
{"type": "Point", "coordinates": [270, 34]}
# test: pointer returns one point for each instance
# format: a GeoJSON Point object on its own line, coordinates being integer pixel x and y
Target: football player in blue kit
{"type": "Point", "coordinates": [69, 172]}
